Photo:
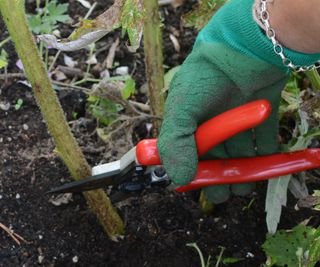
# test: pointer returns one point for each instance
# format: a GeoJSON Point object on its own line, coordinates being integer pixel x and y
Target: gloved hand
{"type": "Point", "coordinates": [232, 63]}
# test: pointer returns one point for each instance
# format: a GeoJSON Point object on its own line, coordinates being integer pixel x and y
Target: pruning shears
{"type": "Point", "coordinates": [141, 167]}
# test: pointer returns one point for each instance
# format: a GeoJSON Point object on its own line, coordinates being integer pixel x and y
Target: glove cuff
{"type": "Point", "coordinates": [235, 26]}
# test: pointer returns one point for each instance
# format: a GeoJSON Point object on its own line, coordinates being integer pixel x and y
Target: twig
{"type": "Point", "coordinates": [54, 60]}
{"type": "Point", "coordinates": [71, 86]}
{"type": "Point", "coordinates": [2, 43]}
{"type": "Point", "coordinates": [165, 2]}
{"type": "Point", "coordinates": [12, 76]}
{"type": "Point", "coordinates": [127, 122]}
{"type": "Point", "coordinates": [90, 10]}
{"type": "Point", "coordinates": [108, 63]}
{"type": "Point", "coordinates": [71, 72]}
{"type": "Point", "coordinates": [17, 238]}
{"type": "Point", "coordinates": [132, 104]}
{"type": "Point", "coordinates": [142, 106]}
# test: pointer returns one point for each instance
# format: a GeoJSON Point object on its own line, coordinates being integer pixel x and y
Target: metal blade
{"type": "Point", "coordinates": [112, 177]}
{"type": "Point", "coordinates": [119, 165]}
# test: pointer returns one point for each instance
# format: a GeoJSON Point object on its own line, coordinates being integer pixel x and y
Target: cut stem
{"type": "Point", "coordinates": [13, 13]}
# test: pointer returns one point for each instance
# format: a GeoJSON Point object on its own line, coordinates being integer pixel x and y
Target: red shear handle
{"type": "Point", "coordinates": [247, 170]}
{"type": "Point", "coordinates": [214, 131]}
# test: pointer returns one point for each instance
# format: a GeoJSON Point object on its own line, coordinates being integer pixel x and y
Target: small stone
{"type": "Point", "coordinates": [9, 139]}
{"type": "Point", "coordinates": [56, 33]}
{"type": "Point", "coordinates": [75, 259]}
{"type": "Point", "coordinates": [122, 71]}
{"type": "Point", "coordinates": [40, 237]}
{"type": "Point", "coordinates": [25, 127]}
{"type": "Point", "coordinates": [4, 106]}
{"type": "Point", "coordinates": [224, 226]}
{"type": "Point", "coordinates": [1, 139]}
{"type": "Point", "coordinates": [249, 255]}
{"type": "Point", "coordinates": [18, 196]}
{"type": "Point", "coordinates": [40, 258]}
{"type": "Point", "coordinates": [105, 74]}
{"type": "Point", "coordinates": [188, 232]}
{"type": "Point", "coordinates": [216, 219]}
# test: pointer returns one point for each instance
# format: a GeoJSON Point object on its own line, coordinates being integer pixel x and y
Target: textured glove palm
{"type": "Point", "coordinates": [223, 72]}
{"type": "Point", "coordinates": [213, 79]}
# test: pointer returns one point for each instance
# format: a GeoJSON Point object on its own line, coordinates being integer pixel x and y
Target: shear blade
{"type": "Point", "coordinates": [114, 177]}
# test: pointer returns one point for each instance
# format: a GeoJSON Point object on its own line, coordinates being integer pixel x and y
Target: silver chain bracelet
{"type": "Point", "coordinates": [277, 47]}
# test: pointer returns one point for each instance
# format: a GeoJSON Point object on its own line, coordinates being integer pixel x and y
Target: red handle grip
{"type": "Point", "coordinates": [214, 131]}
{"type": "Point", "coordinates": [247, 170]}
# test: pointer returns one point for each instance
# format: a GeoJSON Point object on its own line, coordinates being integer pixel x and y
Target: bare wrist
{"type": "Point", "coordinates": [293, 30]}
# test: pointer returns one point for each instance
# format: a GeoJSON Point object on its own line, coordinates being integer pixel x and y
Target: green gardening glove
{"type": "Point", "coordinates": [232, 63]}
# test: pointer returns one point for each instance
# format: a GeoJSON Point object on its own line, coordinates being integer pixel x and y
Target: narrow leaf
{"type": "Point", "coordinates": [276, 198]}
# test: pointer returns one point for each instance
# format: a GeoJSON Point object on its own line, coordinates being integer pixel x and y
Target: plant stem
{"type": "Point", "coordinates": [13, 13]}
{"type": "Point", "coordinates": [219, 258]}
{"type": "Point", "coordinates": [314, 78]}
{"type": "Point", "coordinates": [2, 43]}
{"type": "Point", "coordinates": [153, 56]}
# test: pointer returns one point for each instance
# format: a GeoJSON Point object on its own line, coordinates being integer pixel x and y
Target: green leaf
{"type": "Point", "coordinates": [298, 247]}
{"type": "Point", "coordinates": [132, 21]}
{"type": "Point", "coordinates": [227, 261]}
{"type": "Point", "coordinates": [276, 198]}
{"type": "Point", "coordinates": [56, 12]}
{"type": "Point", "coordinates": [3, 63]}
{"type": "Point", "coordinates": [314, 254]}
{"type": "Point", "coordinates": [291, 97]}
{"type": "Point", "coordinates": [202, 13]}
{"type": "Point", "coordinates": [104, 110]}
{"type": "Point", "coordinates": [169, 76]}
{"type": "Point", "coordinates": [316, 193]}
{"type": "Point", "coordinates": [129, 89]}
{"type": "Point", "coordinates": [18, 104]}
{"type": "Point", "coordinates": [3, 59]}
{"type": "Point", "coordinates": [46, 21]}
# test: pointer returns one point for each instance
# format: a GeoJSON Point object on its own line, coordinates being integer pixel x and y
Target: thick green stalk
{"type": "Point", "coordinates": [13, 13]}
{"type": "Point", "coordinates": [153, 55]}
{"type": "Point", "coordinates": [314, 78]}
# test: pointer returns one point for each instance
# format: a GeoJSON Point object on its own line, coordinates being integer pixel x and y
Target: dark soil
{"type": "Point", "coordinates": [159, 223]}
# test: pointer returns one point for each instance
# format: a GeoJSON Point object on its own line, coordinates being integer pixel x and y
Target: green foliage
{"type": "Point", "coordinates": [128, 89]}
{"type": "Point", "coordinates": [314, 78]}
{"type": "Point", "coordinates": [220, 259]}
{"type": "Point", "coordinates": [316, 193]}
{"type": "Point", "coordinates": [275, 199]}
{"type": "Point", "coordinates": [291, 102]}
{"type": "Point", "coordinates": [18, 104]}
{"type": "Point", "coordinates": [202, 13]}
{"type": "Point", "coordinates": [169, 76]}
{"type": "Point", "coordinates": [247, 207]}
{"type": "Point", "coordinates": [132, 21]}
{"type": "Point", "coordinates": [47, 18]}
{"type": "Point", "coordinates": [301, 138]}
{"type": "Point", "coordinates": [296, 248]}
{"type": "Point", "coordinates": [227, 261]}
{"type": "Point", "coordinates": [3, 59]}
{"type": "Point", "coordinates": [104, 110]}
{"type": "Point", "coordinates": [291, 96]}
